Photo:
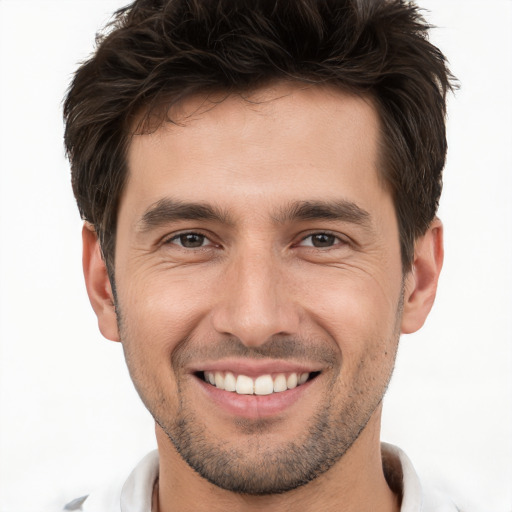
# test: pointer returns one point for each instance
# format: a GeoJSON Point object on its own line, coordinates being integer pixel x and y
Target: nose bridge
{"type": "Point", "coordinates": [255, 303]}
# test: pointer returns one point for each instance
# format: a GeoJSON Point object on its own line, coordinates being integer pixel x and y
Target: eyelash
{"type": "Point", "coordinates": [337, 240]}
{"type": "Point", "coordinates": [174, 238]}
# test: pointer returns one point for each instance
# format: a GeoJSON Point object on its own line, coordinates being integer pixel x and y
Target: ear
{"type": "Point", "coordinates": [421, 281]}
{"type": "Point", "coordinates": [98, 284]}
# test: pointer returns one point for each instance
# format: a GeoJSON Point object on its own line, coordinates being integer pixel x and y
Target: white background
{"type": "Point", "coordinates": [70, 418]}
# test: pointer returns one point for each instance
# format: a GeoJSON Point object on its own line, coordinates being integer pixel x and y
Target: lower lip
{"type": "Point", "coordinates": [254, 406]}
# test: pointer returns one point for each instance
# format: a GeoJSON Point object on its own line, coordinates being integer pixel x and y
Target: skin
{"type": "Point", "coordinates": [257, 294]}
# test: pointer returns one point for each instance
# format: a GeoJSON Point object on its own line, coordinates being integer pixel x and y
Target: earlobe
{"type": "Point", "coordinates": [98, 284]}
{"type": "Point", "coordinates": [421, 282]}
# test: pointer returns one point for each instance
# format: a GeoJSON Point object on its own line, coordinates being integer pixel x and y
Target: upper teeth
{"type": "Point", "coordinates": [262, 385]}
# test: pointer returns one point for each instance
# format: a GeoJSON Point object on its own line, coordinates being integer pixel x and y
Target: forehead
{"type": "Point", "coordinates": [293, 138]}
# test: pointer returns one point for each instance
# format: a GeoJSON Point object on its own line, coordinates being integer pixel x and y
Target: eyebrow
{"type": "Point", "coordinates": [171, 210]}
{"type": "Point", "coordinates": [339, 210]}
{"type": "Point", "coordinates": [168, 210]}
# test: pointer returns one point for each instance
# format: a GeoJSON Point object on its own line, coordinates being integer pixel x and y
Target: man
{"type": "Point", "coordinates": [259, 183]}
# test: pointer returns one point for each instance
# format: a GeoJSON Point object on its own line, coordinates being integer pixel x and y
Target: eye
{"type": "Point", "coordinates": [190, 240]}
{"type": "Point", "coordinates": [320, 240]}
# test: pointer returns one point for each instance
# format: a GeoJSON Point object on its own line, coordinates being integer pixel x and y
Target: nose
{"type": "Point", "coordinates": [255, 301]}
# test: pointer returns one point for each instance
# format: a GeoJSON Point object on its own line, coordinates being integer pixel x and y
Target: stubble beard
{"type": "Point", "coordinates": [257, 470]}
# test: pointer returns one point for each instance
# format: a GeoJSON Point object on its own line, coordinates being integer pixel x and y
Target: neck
{"type": "Point", "coordinates": [355, 483]}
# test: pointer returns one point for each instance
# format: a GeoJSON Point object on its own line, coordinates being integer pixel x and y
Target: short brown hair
{"type": "Point", "coordinates": [157, 52]}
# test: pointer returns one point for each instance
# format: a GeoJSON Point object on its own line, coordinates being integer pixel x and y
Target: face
{"type": "Point", "coordinates": [259, 282]}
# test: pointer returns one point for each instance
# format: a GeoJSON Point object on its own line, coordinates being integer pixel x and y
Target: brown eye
{"type": "Point", "coordinates": [190, 240]}
{"type": "Point", "coordinates": [323, 240]}
{"type": "Point", "coordinates": [320, 240]}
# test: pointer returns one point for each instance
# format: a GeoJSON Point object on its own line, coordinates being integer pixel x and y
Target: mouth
{"type": "Point", "coordinates": [256, 389]}
{"type": "Point", "coordinates": [261, 385]}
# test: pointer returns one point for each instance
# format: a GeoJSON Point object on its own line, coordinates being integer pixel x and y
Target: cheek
{"type": "Point", "coordinates": [161, 308]}
{"type": "Point", "coordinates": [356, 309]}
{"type": "Point", "coordinates": [155, 319]}
{"type": "Point", "coordinates": [362, 321]}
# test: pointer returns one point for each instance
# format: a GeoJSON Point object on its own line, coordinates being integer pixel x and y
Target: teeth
{"type": "Point", "coordinates": [291, 381]}
{"type": "Point", "coordinates": [262, 385]}
{"type": "Point", "coordinates": [280, 383]}
{"type": "Point", "coordinates": [219, 380]}
{"type": "Point", "coordinates": [229, 382]}
{"type": "Point", "coordinates": [244, 385]}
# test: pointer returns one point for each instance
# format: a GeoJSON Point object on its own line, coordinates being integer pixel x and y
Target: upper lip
{"type": "Point", "coordinates": [255, 367]}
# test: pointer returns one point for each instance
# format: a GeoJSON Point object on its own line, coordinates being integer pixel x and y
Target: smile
{"type": "Point", "coordinates": [262, 385]}
{"type": "Point", "coordinates": [255, 389]}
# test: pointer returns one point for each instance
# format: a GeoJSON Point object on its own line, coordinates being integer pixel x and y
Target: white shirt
{"type": "Point", "coordinates": [135, 494]}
